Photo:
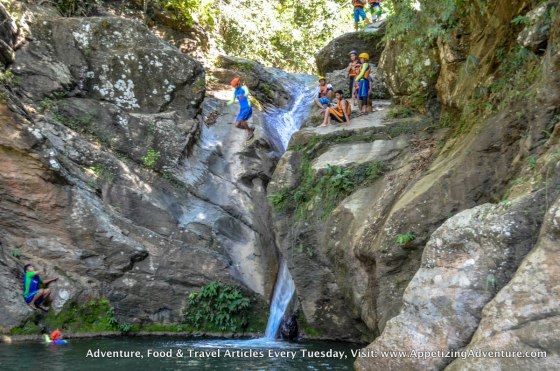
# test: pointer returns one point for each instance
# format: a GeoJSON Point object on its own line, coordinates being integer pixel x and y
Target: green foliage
{"type": "Point", "coordinates": [325, 191]}
{"type": "Point", "coordinates": [150, 158]}
{"type": "Point", "coordinates": [531, 162]}
{"type": "Point", "coordinates": [8, 78]}
{"type": "Point", "coordinates": [405, 239]}
{"type": "Point", "coordinates": [102, 173]}
{"type": "Point", "coordinates": [15, 253]}
{"type": "Point", "coordinates": [94, 316]}
{"type": "Point", "coordinates": [75, 8]}
{"type": "Point", "coordinates": [217, 306]}
{"type": "Point", "coordinates": [517, 181]}
{"type": "Point", "coordinates": [520, 20]}
{"type": "Point", "coordinates": [399, 112]}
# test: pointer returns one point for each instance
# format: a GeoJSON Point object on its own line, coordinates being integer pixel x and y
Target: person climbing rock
{"type": "Point", "coordinates": [353, 70]}
{"type": "Point", "coordinates": [33, 294]}
{"type": "Point", "coordinates": [363, 83]}
{"type": "Point", "coordinates": [241, 93]}
{"type": "Point", "coordinates": [324, 98]}
{"type": "Point", "coordinates": [375, 9]}
{"type": "Point", "coordinates": [341, 112]}
{"type": "Point", "coordinates": [359, 13]}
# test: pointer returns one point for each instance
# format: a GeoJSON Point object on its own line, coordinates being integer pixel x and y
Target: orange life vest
{"type": "Point", "coordinates": [357, 68]}
{"type": "Point", "coordinates": [323, 89]}
{"type": "Point", "coordinates": [372, 2]}
{"type": "Point", "coordinates": [354, 70]}
{"type": "Point", "coordinates": [339, 109]}
{"type": "Point", "coordinates": [357, 4]}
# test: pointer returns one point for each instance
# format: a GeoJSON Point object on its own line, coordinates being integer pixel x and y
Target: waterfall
{"type": "Point", "coordinates": [280, 124]}
{"type": "Point", "coordinates": [283, 292]}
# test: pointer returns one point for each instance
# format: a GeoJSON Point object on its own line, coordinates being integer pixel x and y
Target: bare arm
{"type": "Point", "coordinates": [345, 109]}
{"type": "Point", "coordinates": [46, 282]}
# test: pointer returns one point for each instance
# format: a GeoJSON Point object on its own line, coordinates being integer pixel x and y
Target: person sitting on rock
{"type": "Point", "coordinates": [324, 98]}
{"type": "Point", "coordinates": [241, 93]}
{"type": "Point", "coordinates": [374, 9]}
{"type": "Point", "coordinates": [363, 83]}
{"type": "Point", "coordinates": [353, 70]}
{"type": "Point", "coordinates": [359, 13]}
{"type": "Point", "coordinates": [33, 294]}
{"type": "Point", "coordinates": [341, 112]}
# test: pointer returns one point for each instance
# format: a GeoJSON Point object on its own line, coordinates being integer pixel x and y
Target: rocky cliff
{"type": "Point", "coordinates": [421, 232]}
{"type": "Point", "coordinates": [112, 180]}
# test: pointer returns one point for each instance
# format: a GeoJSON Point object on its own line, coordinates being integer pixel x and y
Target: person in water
{"type": "Point", "coordinates": [353, 70]}
{"type": "Point", "coordinates": [363, 83]}
{"type": "Point", "coordinates": [359, 13]}
{"type": "Point", "coordinates": [324, 97]}
{"type": "Point", "coordinates": [340, 113]}
{"type": "Point", "coordinates": [241, 93]}
{"type": "Point", "coordinates": [55, 338]}
{"type": "Point", "coordinates": [33, 294]}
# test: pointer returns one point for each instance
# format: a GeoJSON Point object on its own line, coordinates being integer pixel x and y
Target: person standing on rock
{"type": "Point", "coordinates": [324, 98]}
{"type": "Point", "coordinates": [33, 294]}
{"type": "Point", "coordinates": [241, 93]}
{"type": "Point", "coordinates": [374, 9]}
{"type": "Point", "coordinates": [363, 83]}
{"type": "Point", "coordinates": [341, 112]}
{"type": "Point", "coordinates": [353, 70]}
{"type": "Point", "coordinates": [359, 12]}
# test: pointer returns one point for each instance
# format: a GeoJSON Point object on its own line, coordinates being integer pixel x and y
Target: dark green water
{"type": "Point", "coordinates": [186, 354]}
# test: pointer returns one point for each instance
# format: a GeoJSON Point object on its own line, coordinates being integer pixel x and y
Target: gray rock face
{"type": "Point", "coordinates": [334, 56]}
{"type": "Point", "coordinates": [78, 201]}
{"type": "Point", "coordinates": [263, 84]}
{"type": "Point", "coordinates": [535, 34]}
{"type": "Point", "coordinates": [524, 315]}
{"type": "Point", "coordinates": [469, 258]}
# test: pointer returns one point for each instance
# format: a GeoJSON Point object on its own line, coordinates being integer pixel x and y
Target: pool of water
{"type": "Point", "coordinates": [139, 354]}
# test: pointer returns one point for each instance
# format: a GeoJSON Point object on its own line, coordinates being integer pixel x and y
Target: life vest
{"type": "Point", "coordinates": [366, 72]}
{"type": "Point", "coordinates": [340, 110]}
{"type": "Point", "coordinates": [354, 68]}
{"type": "Point", "coordinates": [323, 90]}
{"type": "Point", "coordinates": [357, 4]}
{"type": "Point", "coordinates": [373, 2]}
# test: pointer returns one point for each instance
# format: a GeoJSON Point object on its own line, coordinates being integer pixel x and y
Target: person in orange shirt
{"type": "Point", "coordinates": [359, 12]}
{"type": "Point", "coordinates": [353, 70]}
{"type": "Point", "coordinates": [340, 113]}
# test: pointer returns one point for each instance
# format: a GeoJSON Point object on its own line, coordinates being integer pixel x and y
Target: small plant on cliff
{"type": "Point", "coordinates": [217, 306]}
{"type": "Point", "coordinates": [405, 239]}
{"type": "Point", "coordinates": [16, 253]}
{"type": "Point", "coordinates": [150, 158]}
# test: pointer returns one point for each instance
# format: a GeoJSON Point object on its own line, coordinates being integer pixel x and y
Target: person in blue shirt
{"type": "Point", "coordinates": [241, 93]}
{"type": "Point", "coordinates": [33, 294]}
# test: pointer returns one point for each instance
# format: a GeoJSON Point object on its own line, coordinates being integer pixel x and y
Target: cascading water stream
{"type": "Point", "coordinates": [280, 124]}
{"type": "Point", "coordinates": [283, 292]}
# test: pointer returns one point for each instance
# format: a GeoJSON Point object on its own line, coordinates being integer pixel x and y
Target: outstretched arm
{"type": "Point", "coordinates": [232, 99]}
{"type": "Point", "coordinates": [362, 72]}
{"type": "Point", "coordinates": [46, 282]}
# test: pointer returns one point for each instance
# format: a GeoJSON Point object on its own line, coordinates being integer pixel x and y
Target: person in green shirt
{"type": "Point", "coordinates": [33, 294]}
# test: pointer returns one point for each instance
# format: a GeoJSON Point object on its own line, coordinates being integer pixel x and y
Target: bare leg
{"type": "Point", "coordinates": [325, 120]}
{"type": "Point", "coordinates": [329, 95]}
{"type": "Point", "coordinates": [318, 103]}
{"type": "Point", "coordinates": [356, 26]}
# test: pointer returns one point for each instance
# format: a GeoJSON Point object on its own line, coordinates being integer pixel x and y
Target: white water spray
{"type": "Point", "coordinates": [283, 292]}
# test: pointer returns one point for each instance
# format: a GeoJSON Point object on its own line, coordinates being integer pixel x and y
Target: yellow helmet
{"type": "Point", "coordinates": [321, 78]}
{"type": "Point", "coordinates": [364, 55]}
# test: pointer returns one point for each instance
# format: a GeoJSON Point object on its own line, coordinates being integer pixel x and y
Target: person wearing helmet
{"type": "Point", "coordinates": [340, 113]}
{"type": "Point", "coordinates": [359, 12]}
{"type": "Point", "coordinates": [363, 83]}
{"type": "Point", "coordinates": [375, 9]}
{"type": "Point", "coordinates": [241, 93]}
{"type": "Point", "coordinates": [353, 69]}
{"type": "Point", "coordinates": [324, 97]}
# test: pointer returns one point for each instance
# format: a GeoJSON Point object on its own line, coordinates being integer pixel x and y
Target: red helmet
{"type": "Point", "coordinates": [235, 81]}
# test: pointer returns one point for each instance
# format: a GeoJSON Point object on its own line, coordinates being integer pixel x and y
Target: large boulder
{"type": "Point", "coordinates": [465, 262]}
{"type": "Point", "coordinates": [334, 56]}
{"type": "Point", "coordinates": [106, 60]}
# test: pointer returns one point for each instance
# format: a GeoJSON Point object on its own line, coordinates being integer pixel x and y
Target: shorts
{"type": "Point", "coordinates": [359, 12]}
{"type": "Point", "coordinates": [245, 114]}
{"type": "Point", "coordinates": [351, 80]}
{"type": "Point", "coordinates": [30, 297]}
{"type": "Point", "coordinates": [324, 101]}
{"type": "Point", "coordinates": [335, 115]}
{"type": "Point", "coordinates": [363, 90]}
{"type": "Point", "coordinates": [375, 9]}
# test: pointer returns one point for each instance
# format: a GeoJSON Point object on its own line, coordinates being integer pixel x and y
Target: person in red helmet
{"type": "Point", "coordinates": [241, 93]}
